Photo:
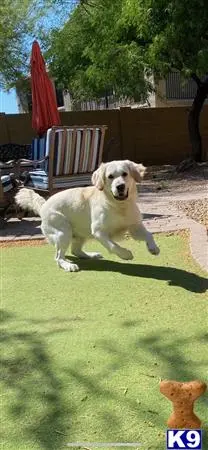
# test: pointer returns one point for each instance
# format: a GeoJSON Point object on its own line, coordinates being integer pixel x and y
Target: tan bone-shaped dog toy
{"type": "Point", "coordinates": [183, 396]}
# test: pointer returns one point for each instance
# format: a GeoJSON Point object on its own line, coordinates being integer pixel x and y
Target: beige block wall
{"type": "Point", "coordinates": [148, 135]}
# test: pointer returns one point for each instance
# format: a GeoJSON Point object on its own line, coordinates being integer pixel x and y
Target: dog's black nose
{"type": "Point", "coordinates": [121, 188]}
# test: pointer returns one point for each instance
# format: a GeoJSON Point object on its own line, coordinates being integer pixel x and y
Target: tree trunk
{"type": "Point", "coordinates": [106, 101]}
{"type": "Point", "coordinates": [194, 118]}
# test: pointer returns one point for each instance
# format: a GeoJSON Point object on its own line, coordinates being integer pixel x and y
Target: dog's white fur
{"type": "Point", "coordinates": [104, 211]}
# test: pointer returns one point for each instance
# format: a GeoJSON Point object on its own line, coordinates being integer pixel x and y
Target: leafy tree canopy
{"type": "Point", "coordinates": [90, 56]}
{"type": "Point", "coordinates": [115, 44]}
{"type": "Point", "coordinates": [105, 45]}
{"type": "Point", "coordinates": [177, 35]}
{"type": "Point", "coordinates": [20, 22]}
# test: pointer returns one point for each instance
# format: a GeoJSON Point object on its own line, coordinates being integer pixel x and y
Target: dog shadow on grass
{"type": "Point", "coordinates": [175, 277]}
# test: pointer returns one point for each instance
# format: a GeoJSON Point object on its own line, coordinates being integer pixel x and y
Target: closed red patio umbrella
{"type": "Point", "coordinates": [45, 113]}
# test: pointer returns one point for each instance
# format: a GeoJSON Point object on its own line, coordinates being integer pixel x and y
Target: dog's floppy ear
{"type": "Point", "coordinates": [98, 177]}
{"type": "Point", "coordinates": [137, 171]}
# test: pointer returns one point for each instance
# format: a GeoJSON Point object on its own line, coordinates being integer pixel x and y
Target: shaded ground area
{"type": "Point", "coordinates": [166, 179]}
{"type": "Point", "coordinates": [83, 354]}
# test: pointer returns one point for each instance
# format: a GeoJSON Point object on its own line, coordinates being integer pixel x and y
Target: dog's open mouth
{"type": "Point", "coordinates": [122, 196]}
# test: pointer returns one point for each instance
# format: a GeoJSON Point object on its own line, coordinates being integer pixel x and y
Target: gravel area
{"type": "Point", "coordinates": [195, 209]}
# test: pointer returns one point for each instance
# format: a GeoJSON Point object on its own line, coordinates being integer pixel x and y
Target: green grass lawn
{"type": "Point", "coordinates": [83, 353]}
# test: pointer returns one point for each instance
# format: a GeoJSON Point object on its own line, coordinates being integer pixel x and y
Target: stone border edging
{"type": "Point", "coordinates": [199, 244]}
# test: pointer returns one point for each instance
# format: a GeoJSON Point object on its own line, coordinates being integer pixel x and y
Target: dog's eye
{"type": "Point", "coordinates": [110, 176]}
{"type": "Point", "coordinates": [124, 174]}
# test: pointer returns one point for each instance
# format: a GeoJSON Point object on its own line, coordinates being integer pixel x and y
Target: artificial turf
{"type": "Point", "coordinates": [83, 353]}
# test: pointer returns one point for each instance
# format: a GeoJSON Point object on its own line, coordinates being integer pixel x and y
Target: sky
{"type": "Point", "coordinates": [8, 102]}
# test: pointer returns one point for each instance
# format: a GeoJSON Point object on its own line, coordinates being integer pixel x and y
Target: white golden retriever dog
{"type": "Point", "coordinates": [104, 211]}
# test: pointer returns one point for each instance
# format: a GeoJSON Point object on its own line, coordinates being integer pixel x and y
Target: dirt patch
{"type": "Point", "coordinates": [166, 179]}
{"type": "Point", "coordinates": [38, 242]}
{"type": "Point", "coordinates": [23, 243]}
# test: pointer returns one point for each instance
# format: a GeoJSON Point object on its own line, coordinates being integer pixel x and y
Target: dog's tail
{"type": "Point", "coordinates": [28, 200]}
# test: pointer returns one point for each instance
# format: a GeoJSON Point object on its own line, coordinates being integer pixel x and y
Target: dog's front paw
{"type": "Point", "coordinates": [154, 250]}
{"type": "Point", "coordinates": [67, 265]}
{"type": "Point", "coordinates": [123, 253]}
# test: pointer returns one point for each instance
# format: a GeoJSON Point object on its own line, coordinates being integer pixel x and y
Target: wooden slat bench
{"type": "Point", "coordinates": [69, 155]}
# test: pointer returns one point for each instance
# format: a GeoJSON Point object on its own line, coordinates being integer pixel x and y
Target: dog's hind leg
{"type": "Point", "coordinates": [58, 231]}
{"type": "Point", "coordinates": [76, 249]}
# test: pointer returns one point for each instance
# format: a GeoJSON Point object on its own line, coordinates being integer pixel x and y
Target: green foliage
{"type": "Point", "coordinates": [90, 57]}
{"type": "Point", "coordinates": [116, 45]}
{"type": "Point", "coordinates": [20, 22]}
{"type": "Point", "coordinates": [177, 35]}
{"type": "Point", "coordinates": [105, 45]}
{"type": "Point", "coordinates": [11, 33]}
